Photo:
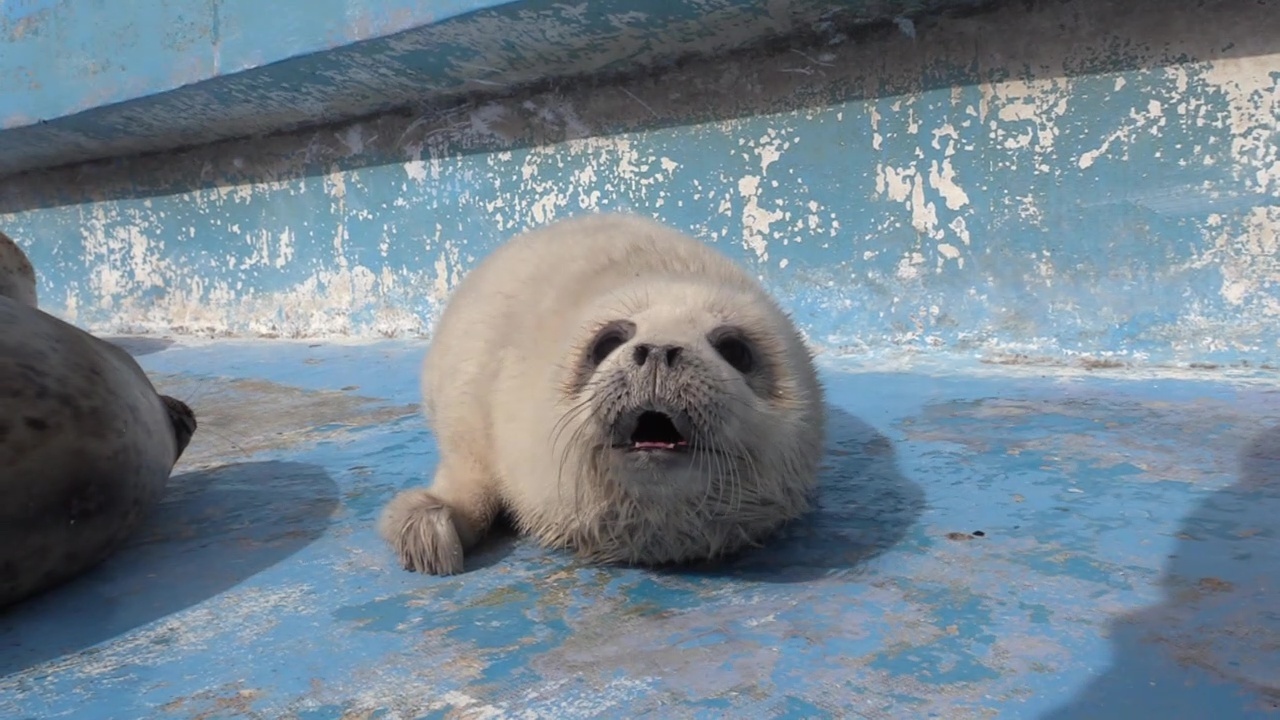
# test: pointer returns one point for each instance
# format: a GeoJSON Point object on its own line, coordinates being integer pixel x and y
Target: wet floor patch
{"type": "Point", "coordinates": [241, 417]}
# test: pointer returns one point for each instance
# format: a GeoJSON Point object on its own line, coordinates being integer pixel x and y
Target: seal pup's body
{"type": "Point", "coordinates": [617, 388]}
{"type": "Point", "coordinates": [86, 442]}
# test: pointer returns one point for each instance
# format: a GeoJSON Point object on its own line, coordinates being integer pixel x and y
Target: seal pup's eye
{"type": "Point", "coordinates": [734, 350]}
{"type": "Point", "coordinates": [610, 338]}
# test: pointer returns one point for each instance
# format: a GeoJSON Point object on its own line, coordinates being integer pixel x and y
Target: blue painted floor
{"type": "Point", "coordinates": [991, 542]}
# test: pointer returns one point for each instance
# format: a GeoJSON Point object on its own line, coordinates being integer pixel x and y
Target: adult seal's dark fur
{"type": "Point", "coordinates": [86, 443]}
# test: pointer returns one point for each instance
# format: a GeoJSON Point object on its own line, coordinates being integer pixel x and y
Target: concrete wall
{"type": "Point", "coordinates": [1049, 179]}
{"type": "Point", "coordinates": [85, 79]}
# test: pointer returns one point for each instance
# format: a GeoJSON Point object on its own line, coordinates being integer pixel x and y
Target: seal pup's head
{"type": "Point", "coordinates": [183, 419]}
{"type": "Point", "coordinates": [17, 276]}
{"type": "Point", "coordinates": [692, 419]}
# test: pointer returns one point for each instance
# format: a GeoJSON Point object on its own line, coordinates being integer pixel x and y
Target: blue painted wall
{"type": "Point", "coordinates": [83, 80]}
{"type": "Point", "coordinates": [61, 57]}
{"type": "Point", "coordinates": [1051, 181]}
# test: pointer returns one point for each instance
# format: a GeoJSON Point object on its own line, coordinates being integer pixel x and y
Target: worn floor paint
{"type": "Point", "coordinates": [988, 544]}
{"type": "Point", "coordinates": [1055, 180]}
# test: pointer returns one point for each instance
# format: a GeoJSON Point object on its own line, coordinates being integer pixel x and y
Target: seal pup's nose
{"type": "Point", "coordinates": [670, 353]}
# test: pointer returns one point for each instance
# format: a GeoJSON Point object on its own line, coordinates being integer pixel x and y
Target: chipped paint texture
{"type": "Point", "coordinates": [196, 71]}
{"type": "Point", "coordinates": [1053, 179]}
{"type": "Point", "coordinates": [111, 55]}
{"type": "Point", "coordinates": [1047, 547]}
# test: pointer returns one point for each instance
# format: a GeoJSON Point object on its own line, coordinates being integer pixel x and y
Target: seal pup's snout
{"type": "Point", "coordinates": [667, 354]}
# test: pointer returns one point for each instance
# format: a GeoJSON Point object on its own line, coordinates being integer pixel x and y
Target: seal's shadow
{"type": "Point", "coordinates": [1209, 648]}
{"type": "Point", "coordinates": [213, 529]}
{"type": "Point", "coordinates": [864, 506]}
{"type": "Point", "coordinates": [499, 543]}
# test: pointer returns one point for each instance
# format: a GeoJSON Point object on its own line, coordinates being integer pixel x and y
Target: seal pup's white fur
{"type": "Point", "coordinates": [617, 388]}
{"type": "Point", "coordinates": [86, 443]}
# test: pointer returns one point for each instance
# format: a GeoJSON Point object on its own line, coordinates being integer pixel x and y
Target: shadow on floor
{"type": "Point", "coordinates": [1211, 648]}
{"type": "Point", "coordinates": [865, 505]}
{"type": "Point", "coordinates": [214, 529]}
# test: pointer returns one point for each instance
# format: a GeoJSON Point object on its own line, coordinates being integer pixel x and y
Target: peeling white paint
{"type": "Point", "coordinates": [877, 140]}
{"type": "Point", "coordinates": [1139, 120]}
{"type": "Point", "coordinates": [1247, 252]}
{"type": "Point", "coordinates": [770, 148]}
{"type": "Point", "coordinates": [416, 170]}
{"type": "Point", "coordinates": [983, 182]}
{"type": "Point", "coordinates": [1250, 258]}
{"type": "Point", "coordinates": [943, 179]}
{"type": "Point", "coordinates": [909, 266]}
{"type": "Point", "coordinates": [756, 220]}
{"type": "Point", "coordinates": [961, 230]}
{"type": "Point", "coordinates": [1024, 115]}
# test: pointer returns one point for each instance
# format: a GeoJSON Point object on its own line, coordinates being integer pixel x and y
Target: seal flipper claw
{"type": "Point", "coordinates": [420, 529]}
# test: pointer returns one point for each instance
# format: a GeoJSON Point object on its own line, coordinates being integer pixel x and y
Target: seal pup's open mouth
{"type": "Point", "coordinates": [657, 431]}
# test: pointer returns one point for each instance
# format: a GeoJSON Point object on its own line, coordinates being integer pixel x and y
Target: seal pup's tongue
{"type": "Point", "coordinates": [656, 431]}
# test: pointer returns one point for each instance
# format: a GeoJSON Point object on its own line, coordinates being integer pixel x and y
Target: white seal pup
{"type": "Point", "coordinates": [86, 442]}
{"type": "Point", "coordinates": [616, 388]}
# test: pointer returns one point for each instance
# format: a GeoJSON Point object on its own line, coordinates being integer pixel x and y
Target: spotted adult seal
{"type": "Point", "coordinates": [86, 442]}
{"type": "Point", "coordinates": [616, 388]}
